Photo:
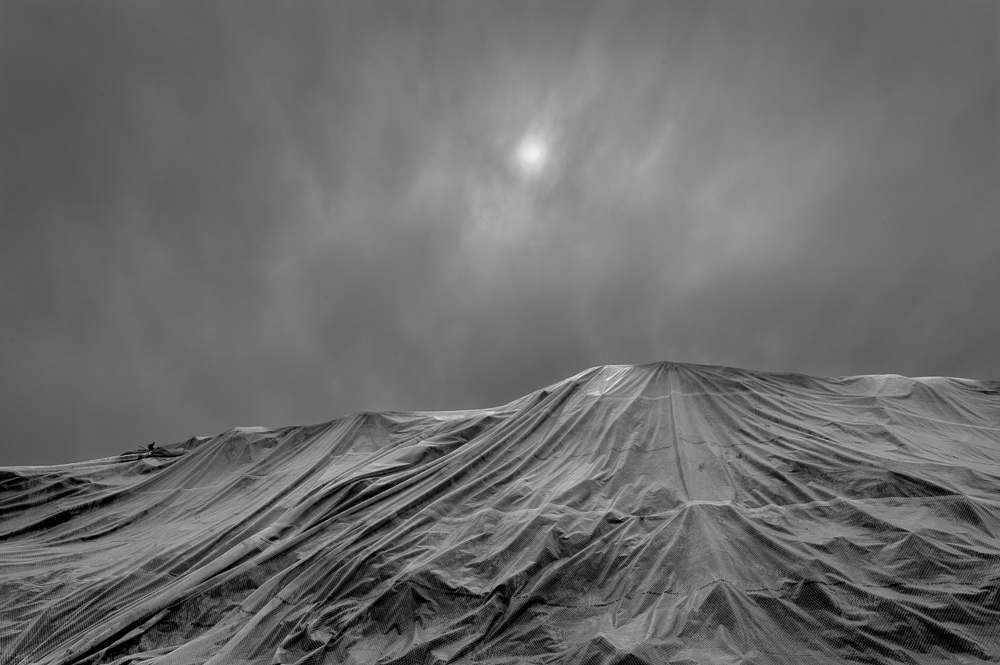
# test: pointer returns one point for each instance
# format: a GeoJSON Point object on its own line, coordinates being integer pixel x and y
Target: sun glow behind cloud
{"type": "Point", "coordinates": [532, 155]}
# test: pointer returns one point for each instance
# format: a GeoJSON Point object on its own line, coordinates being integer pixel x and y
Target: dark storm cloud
{"type": "Point", "coordinates": [220, 214]}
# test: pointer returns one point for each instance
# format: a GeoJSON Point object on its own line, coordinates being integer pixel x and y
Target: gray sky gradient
{"type": "Point", "coordinates": [235, 213]}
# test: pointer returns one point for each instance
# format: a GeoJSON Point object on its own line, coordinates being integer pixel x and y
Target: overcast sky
{"type": "Point", "coordinates": [245, 213]}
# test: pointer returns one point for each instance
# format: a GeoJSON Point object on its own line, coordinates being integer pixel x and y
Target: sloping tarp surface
{"type": "Point", "coordinates": [657, 514]}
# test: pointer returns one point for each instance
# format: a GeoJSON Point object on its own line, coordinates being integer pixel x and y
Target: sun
{"type": "Point", "coordinates": [531, 155]}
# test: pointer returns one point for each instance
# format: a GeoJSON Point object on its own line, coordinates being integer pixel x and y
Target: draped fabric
{"type": "Point", "coordinates": [629, 515]}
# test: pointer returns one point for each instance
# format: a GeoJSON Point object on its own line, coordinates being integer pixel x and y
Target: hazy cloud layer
{"type": "Point", "coordinates": [234, 213]}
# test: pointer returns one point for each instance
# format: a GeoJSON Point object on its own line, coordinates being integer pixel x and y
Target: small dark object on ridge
{"type": "Point", "coordinates": [151, 446]}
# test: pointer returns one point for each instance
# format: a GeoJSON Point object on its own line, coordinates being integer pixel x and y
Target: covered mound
{"type": "Point", "coordinates": [657, 514]}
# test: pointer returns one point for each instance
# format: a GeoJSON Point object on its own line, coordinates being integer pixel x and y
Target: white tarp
{"type": "Point", "coordinates": [657, 514]}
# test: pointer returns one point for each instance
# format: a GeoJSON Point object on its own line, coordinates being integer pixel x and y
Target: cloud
{"type": "Point", "coordinates": [220, 215]}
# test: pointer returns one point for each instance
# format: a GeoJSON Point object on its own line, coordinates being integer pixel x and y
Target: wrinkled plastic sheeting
{"type": "Point", "coordinates": [656, 514]}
